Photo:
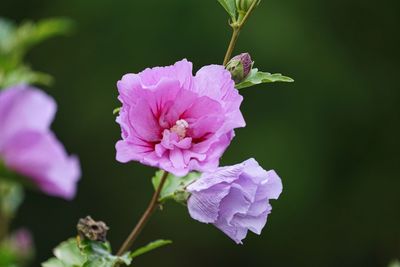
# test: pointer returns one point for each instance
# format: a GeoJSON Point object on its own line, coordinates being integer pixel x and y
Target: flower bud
{"type": "Point", "coordinates": [21, 242]}
{"type": "Point", "coordinates": [240, 67]}
{"type": "Point", "coordinates": [18, 247]}
{"type": "Point", "coordinates": [244, 5]}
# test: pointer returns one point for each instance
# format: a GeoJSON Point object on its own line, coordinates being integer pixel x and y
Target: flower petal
{"type": "Point", "coordinates": [236, 233]}
{"type": "Point", "coordinates": [204, 206]}
{"type": "Point", "coordinates": [41, 157]}
{"type": "Point", "coordinates": [181, 71]}
{"type": "Point", "coordinates": [253, 223]}
{"type": "Point", "coordinates": [23, 107]}
{"type": "Point", "coordinates": [224, 175]}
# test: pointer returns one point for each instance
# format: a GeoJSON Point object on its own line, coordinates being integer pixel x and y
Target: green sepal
{"type": "Point", "coordinates": [149, 247]}
{"type": "Point", "coordinates": [116, 110]}
{"type": "Point", "coordinates": [244, 5]}
{"type": "Point", "coordinates": [174, 186]}
{"type": "Point", "coordinates": [257, 77]}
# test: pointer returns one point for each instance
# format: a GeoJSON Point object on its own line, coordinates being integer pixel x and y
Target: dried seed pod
{"type": "Point", "coordinates": [92, 230]}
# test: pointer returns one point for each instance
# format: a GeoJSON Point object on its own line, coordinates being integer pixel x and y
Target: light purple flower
{"type": "Point", "coordinates": [235, 198]}
{"type": "Point", "coordinates": [176, 121]}
{"type": "Point", "coordinates": [27, 145]}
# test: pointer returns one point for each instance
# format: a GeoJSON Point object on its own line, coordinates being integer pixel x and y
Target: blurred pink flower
{"type": "Point", "coordinates": [176, 121]}
{"type": "Point", "coordinates": [21, 241]}
{"type": "Point", "coordinates": [27, 145]}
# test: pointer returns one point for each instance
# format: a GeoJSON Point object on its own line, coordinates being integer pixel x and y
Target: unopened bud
{"type": "Point", "coordinates": [244, 5]}
{"type": "Point", "coordinates": [21, 242]}
{"type": "Point", "coordinates": [240, 67]}
{"type": "Point", "coordinates": [92, 230]}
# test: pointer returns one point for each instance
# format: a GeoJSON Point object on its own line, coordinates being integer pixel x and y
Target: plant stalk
{"type": "Point", "coordinates": [237, 27]}
{"type": "Point", "coordinates": [4, 225]}
{"type": "Point", "coordinates": [232, 43]}
{"type": "Point", "coordinates": [145, 217]}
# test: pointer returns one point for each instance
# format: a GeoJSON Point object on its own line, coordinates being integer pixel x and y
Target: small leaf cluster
{"type": "Point", "coordinates": [16, 41]}
{"type": "Point", "coordinates": [86, 253]}
{"type": "Point", "coordinates": [237, 9]}
{"type": "Point", "coordinates": [174, 187]}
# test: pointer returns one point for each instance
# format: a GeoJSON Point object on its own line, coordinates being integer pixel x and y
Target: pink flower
{"type": "Point", "coordinates": [27, 145]}
{"type": "Point", "coordinates": [176, 121]}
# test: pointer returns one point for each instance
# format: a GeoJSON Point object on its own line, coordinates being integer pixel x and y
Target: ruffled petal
{"type": "Point", "coordinates": [223, 175]}
{"type": "Point", "coordinates": [181, 71]}
{"type": "Point", "coordinates": [236, 233]}
{"type": "Point", "coordinates": [253, 223]}
{"type": "Point", "coordinates": [205, 206]}
{"type": "Point", "coordinates": [271, 187]}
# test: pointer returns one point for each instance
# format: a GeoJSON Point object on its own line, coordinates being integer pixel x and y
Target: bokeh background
{"type": "Point", "coordinates": [333, 135]}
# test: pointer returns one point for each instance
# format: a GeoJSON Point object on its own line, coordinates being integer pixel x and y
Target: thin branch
{"type": "Point", "coordinates": [4, 225]}
{"type": "Point", "coordinates": [145, 217]}
{"type": "Point", "coordinates": [237, 27]}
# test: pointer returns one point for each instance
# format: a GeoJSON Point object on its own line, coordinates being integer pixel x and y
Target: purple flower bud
{"type": "Point", "coordinates": [21, 242]}
{"type": "Point", "coordinates": [240, 67]}
{"type": "Point", "coordinates": [235, 198]}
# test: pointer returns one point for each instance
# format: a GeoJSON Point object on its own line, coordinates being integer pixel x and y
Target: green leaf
{"type": "Point", "coordinates": [174, 187]}
{"type": "Point", "coordinates": [16, 41]}
{"type": "Point", "coordinates": [8, 257]}
{"type": "Point", "coordinates": [151, 246]}
{"type": "Point", "coordinates": [53, 262]}
{"type": "Point", "coordinates": [67, 255]}
{"type": "Point", "coordinates": [257, 77]}
{"type": "Point", "coordinates": [230, 7]}
{"type": "Point", "coordinates": [24, 74]}
{"type": "Point", "coordinates": [85, 254]}
{"type": "Point", "coordinates": [395, 263]}
{"type": "Point", "coordinates": [99, 254]}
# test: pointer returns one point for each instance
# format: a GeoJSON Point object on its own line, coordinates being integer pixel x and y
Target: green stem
{"type": "Point", "coordinates": [237, 27]}
{"type": "Point", "coordinates": [232, 43]}
{"type": "Point", "coordinates": [4, 226]}
{"type": "Point", "coordinates": [154, 203]}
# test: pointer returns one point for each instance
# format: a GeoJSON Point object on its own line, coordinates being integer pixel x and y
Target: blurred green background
{"type": "Point", "coordinates": [333, 135]}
